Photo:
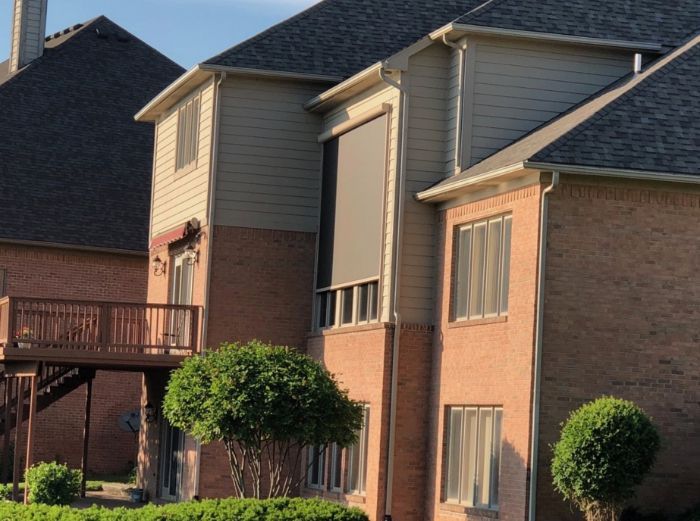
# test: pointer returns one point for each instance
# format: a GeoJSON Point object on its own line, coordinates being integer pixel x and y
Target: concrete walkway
{"type": "Point", "coordinates": [114, 495]}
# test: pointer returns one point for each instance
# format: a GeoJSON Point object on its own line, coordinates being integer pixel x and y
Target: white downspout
{"type": "Point", "coordinates": [213, 161]}
{"type": "Point", "coordinates": [537, 377]}
{"type": "Point", "coordinates": [400, 189]}
{"type": "Point", "coordinates": [460, 104]}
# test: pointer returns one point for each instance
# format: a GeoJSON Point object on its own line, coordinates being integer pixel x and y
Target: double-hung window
{"type": "Point", "coordinates": [473, 456]}
{"type": "Point", "coordinates": [483, 268]}
{"type": "Point", "coordinates": [188, 134]}
{"type": "Point", "coordinates": [357, 458]}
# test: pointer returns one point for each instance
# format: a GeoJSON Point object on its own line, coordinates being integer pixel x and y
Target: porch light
{"type": "Point", "coordinates": [150, 412]}
{"type": "Point", "coordinates": [158, 266]}
{"type": "Point", "coordinates": [191, 255]}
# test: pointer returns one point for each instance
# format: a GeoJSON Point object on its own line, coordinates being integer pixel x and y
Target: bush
{"type": "Point", "coordinates": [212, 510]}
{"type": "Point", "coordinates": [605, 450]}
{"type": "Point", "coordinates": [53, 484]}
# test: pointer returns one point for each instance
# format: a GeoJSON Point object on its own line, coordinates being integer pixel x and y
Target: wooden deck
{"type": "Point", "coordinates": [108, 335]}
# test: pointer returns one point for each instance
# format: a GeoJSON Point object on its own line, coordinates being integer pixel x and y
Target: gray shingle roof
{"type": "Point", "coordinates": [341, 37]}
{"type": "Point", "coordinates": [648, 122]}
{"type": "Point", "coordinates": [75, 167]}
{"type": "Point", "coordinates": [667, 22]}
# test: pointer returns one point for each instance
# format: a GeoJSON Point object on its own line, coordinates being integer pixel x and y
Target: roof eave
{"type": "Point", "coordinates": [441, 192]}
{"type": "Point", "coordinates": [457, 30]}
{"type": "Point", "coordinates": [163, 101]}
{"type": "Point", "coordinates": [639, 175]}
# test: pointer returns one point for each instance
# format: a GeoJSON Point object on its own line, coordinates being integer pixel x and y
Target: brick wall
{"type": "Point", "coordinates": [487, 362]}
{"type": "Point", "coordinates": [621, 318]}
{"type": "Point", "coordinates": [70, 274]}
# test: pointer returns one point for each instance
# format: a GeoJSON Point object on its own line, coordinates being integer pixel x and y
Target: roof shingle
{"type": "Point", "coordinates": [75, 166]}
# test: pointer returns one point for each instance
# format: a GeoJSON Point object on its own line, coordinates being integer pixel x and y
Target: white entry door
{"type": "Point", "coordinates": [181, 294]}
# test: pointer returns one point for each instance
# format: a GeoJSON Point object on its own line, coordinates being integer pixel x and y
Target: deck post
{"type": "Point", "coordinates": [18, 438]}
{"type": "Point", "coordinates": [86, 435]}
{"type": "Point", "coordinates": [30, 431]}
{"type": "Point", "coordinates": [9, 386]}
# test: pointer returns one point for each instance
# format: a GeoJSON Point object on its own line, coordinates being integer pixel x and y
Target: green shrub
{"type": "Point", "coordinates": [211, 510]}
{"type": "Point", "coordinates": [605, 450]}
{"type": "Point", "coordinates": [53, 484]}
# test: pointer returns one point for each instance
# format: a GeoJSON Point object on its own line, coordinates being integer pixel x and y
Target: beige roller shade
{"type": "Point", "coordinates": [352, 205]}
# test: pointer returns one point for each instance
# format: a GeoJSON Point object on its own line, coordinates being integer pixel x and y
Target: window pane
{"type": "Point", "coordinates": [365, 447]}
{"type": "Point", "coordinates": [476, 298]}
{"type": "Point", "coordinates": [505, 270]}
{"type": "Point", "coordinates": [496, 457]}
{"type": "Point", "coordinates": [332, 297]}
{"type": "Point", "coordinates": [362, 309]}
{"type": "Point", "coordinates": [469, 456]}
{"type": "Point", "coordinates": [347, 305]}
{"type": "Point", "coordinates": [321, 309]}
{"type": "Point", "coordinates": [337, 466]}
{"type": "Point", "coordinates": [483, 480]}
{"type": "Point", "coordinates": [373, 300]}
{"type": "Point", "coordinates": [453, 453]}
{"type": "Point", "coordinates": [493, 267]}
{"type": "Point", "coordinates": [462, 288]}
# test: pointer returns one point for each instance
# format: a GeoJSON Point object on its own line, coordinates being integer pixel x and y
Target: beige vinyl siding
{"type": "Point", "coordinates": [179, 197]}
{"type": "Point", "coordinates": [269, 156]}
{"type": "Point", "coordinates": [357, 106]}
{"type": "Point", "coordinates": [433, 97]}
{"type": "Point", "coordinates": [517, 86]}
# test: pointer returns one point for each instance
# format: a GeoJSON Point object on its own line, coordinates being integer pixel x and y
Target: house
{"type": "Point", "coordinates": [477, 215]}
{"type": "Point", "coordinates": [76, 174]}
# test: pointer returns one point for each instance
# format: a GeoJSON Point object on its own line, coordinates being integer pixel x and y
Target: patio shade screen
{"type": "Point", "coordinates": [350, 234]}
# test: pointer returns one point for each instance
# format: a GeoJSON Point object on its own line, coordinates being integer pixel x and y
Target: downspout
{"type": "Point", "coordinates": [460, 104]}
{"type": "Point", "coordinates": [537, 377]}
{"type": "Point", "coordinates": [213, 162]}
{"type": "Point", "coordinates": [396, 278]}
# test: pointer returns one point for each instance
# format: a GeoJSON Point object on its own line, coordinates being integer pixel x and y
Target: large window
{"type": "Point", "coordinates": [350, 305]}
{"type": "Point", "coordinates": [357, 458]}
{"type": "Point", "coordinates": [473, 456]}
{"type": "Point", "coordinates": [351, 226]}
{"type": "Point", "coordinates": [188, 134]}
{"type": "Point", "coordinates": [483, 268]}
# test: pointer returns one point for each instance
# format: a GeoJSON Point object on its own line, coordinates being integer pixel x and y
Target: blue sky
{"type": "Point", "coordinates": [188, 31]}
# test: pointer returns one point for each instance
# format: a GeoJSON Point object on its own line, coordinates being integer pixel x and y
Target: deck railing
{"type": "Point", "coordinates": [111, 327]}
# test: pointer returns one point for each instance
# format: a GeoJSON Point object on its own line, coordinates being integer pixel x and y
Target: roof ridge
{"type": "Point", "coordinates": [662, 67]}
{"type": "Point", "coordinates": [271, 30]}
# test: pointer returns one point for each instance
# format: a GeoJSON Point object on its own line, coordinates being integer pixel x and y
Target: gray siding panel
{"type": "Point", "coordinates": [269, 159]}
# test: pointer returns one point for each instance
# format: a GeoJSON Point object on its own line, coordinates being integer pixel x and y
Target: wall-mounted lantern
{"type": "Point", "coordinates": [150, 412]}
{"type": "Point", "coordinates": [191, 255]}
{"type": "Point", "coordinates": [158, 266]}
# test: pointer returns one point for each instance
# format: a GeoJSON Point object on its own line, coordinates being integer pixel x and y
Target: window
{"type": "Point", "coordinates": [358, 304]}
{"type": "Point", "coordinates": [336, 475]}
{"type": "Point", "coordinates": [473, 456]}
{"type": "Point", "coordinates": [188, 134]}
{"type": "Point", "coordinates": [316, 466]}
{"type": "Point", "coordinates": [357, 458]}
{"type": "Point", "coordinates": [3, 282]}
{"type": "Point", "coordinates": [483, 269]}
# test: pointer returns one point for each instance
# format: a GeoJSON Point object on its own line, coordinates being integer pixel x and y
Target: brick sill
{"type": "Point", "coordinates": [477, 322]}
{"type": "Point", "coordinates": [469, 512]}
{"type": "Point", "coordinates": [349, 329]}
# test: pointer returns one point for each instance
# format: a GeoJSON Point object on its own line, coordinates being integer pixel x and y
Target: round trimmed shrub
{"type": "Point", "coordinates": [606, 449]}
{"type": "Point", "coordinates": [53, 484]}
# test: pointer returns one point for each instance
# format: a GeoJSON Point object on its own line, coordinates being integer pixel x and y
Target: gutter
{"type": "Point", "coordinates": [214, 162]}
{"type": "Point", "coordinates": [484, 30]}
{"type": "Point", "coordinates": [396, 279]}
{"type": "Point", "coordinates": [369, 73]}
{"type": "Point", "coordinates": [639, 175]}
{"type": "Point", "coordinates": [537, 376]}
{"type": "Point", "coordinates": [76, 247]}
{"type": "Point", "coordinates": [443, 190]}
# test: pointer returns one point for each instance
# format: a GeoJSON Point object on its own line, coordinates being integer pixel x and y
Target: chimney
{"type": "Point", "coordinates": [28, 32]}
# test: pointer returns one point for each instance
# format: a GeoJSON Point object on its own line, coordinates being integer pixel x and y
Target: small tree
{"type": "Point", "coordinates": [267, 404]}
{"type": "Point", "coordinates": [605, 450]}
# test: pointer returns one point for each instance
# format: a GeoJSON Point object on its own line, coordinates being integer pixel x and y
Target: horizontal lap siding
{"type": "Point", "coordinates": [434, 89]}
{"type": "Point", "coordinates": [358, 105]}
{"type": "Point", "coordinates": [517, 87]}
{"type": "Point", "coordinates": [178, 198]}
{"type": "Point", "coordinates": [269, 159]}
